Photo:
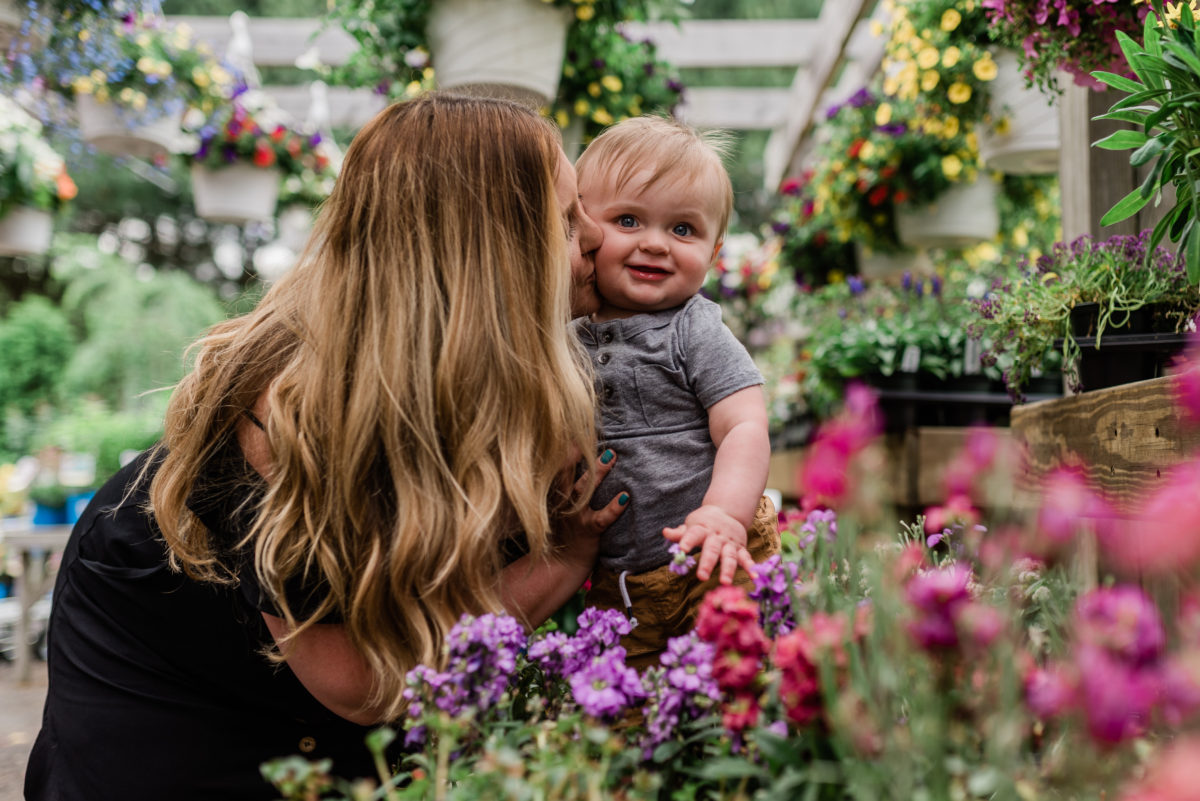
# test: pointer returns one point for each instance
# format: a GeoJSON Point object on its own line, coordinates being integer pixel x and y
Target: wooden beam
{"type": "Point", "coordinates": [278, 41]}
{"type": "Point", "coordinates": [838, 21]}
{"type": "Point", "coordinates": [741, 109]}
{"type": "Point", "coordinates": [351, 108]}
{"type": "Point", "coordinates": [1124, 437]}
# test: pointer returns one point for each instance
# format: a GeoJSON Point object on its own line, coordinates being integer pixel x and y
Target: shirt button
{"type": "Point", "coordinates": [606, 337]}
{"type": "Point", "coordinates": [603, 358]}
{"type": "Point", "coordinates": [307, 745]}
{"type": "Point", "coordinates": [608, 392]}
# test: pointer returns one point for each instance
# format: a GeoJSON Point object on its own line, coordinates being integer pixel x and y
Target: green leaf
{"type": "Point", "coordinates": [1125, 208]}
{"type": "Point", "coordinates": [1148, 151]}
{"type": "Point", "coordinates": [1122, 140]}
{"type": "Point", "coordinates": [1140, 99]}
{"type": "Point", "coordinates": [1151, 185]}
{"type": "Point", "coordinates": [730, 768]}
{"type": "Point", "coordinates": [1151, 37]}
{"type": "Point", "coordinates": [1184, 54]}
{"type": "Point", "coordinates": [1192, 255]}
{"type": "Point", "coordinates": [1127, 115]}
{"type": "Point", "coordinates": [1118, 81]}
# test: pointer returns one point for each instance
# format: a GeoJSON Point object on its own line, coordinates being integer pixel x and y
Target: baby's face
{"type": "Point", "coordinates": [658, 241]}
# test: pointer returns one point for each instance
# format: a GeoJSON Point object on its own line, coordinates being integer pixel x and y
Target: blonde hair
{"type": "Point", "coordinates": [424, 394]}
{"type": "Point", "coordinates": [674, 150]}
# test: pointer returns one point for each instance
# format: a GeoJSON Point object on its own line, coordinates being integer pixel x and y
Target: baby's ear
{"type": "Point", "coordinates": [716, 251]}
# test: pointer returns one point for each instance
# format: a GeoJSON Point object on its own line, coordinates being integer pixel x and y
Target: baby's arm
{"type": "Point", "coordinates": [738, 426]}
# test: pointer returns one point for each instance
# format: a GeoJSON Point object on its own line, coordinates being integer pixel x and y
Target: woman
{"type": "Point", "coordinates": [338, 478]}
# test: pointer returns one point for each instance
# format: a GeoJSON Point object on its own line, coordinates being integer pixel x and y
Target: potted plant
{"type": "Point", "coordinates": [399, 42]}
{"type": "Point", "coordinates": [33, 183]}
{"type": "Point", "coordinates": [1076, 36]}
{"type": "Point", "coordinates": [237, 163]}
{"type": "Point", "coordinates": [1031, 311]}
{"type": "Point", "coordinates": [1161, 104]}
{"type": "Point", "coordinates": [309, 174]}
{"type": "Point", "coordinates": [805, 229]}
{"type": "Point", "coordinates": [941, 53]}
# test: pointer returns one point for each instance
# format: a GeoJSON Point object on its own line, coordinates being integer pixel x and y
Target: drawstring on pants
{"type": "Point", "coordinates": [625, 597]}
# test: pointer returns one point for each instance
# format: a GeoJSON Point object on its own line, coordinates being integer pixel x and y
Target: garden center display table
{"type": "Point", "coordinates": [34, 545]}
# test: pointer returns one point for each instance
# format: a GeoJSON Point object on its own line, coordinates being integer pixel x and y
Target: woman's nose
{"type": "Point", "coordinates": [589, 232]}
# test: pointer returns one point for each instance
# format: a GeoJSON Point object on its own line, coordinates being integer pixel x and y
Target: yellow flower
{"type": "Point", "coordinates": [101, 94]}
{"type": "Point", "coordinates": [868, 150]}
{"type": "Point", "coordinates": [951, 165]}
{"type": "Point", "coordinates": [582, 107]}
{"type": "Point", "coordinates": [146, 64]}
{"type": "Point", "coordinates": [84, 35]}
{"type": "Point", "coordinates": [985, 69]}
{"type": "Point", "coordinates": [585, 13]}
{"type": "Point", "coordinates": [612, 83]}
{"type": "Point", "coordinates": [950, 20]}
{"type": "Point", "coordinates": [987, 251]}
{"type": "Point", "coordinates": [125, 95]}
{"type": "Point", "coordinates": [593, 89]}
{"type": "Point", "coordinates": [928, 58]}
{"type": "Point", "coordinates": [891, 85]}
{"type": "Point", "coordinates": [200, 78]}
{"type": "Point", "coordinates": [883, 114]}
{"type": "Point", "coordinates": [568, 69]}
{"type": "Point", "coordinates": [1020, 236]}
{"type": "Point", "coordinates": [972, 140]}
{"type": "Point", "coordinates": [82, 86]}
{"type": "Point", "coordinates": [932, 126]}
{"type": "Point", "coordinates": [142, 40]}
{"type": "Point", "coordinates": [876, 28]}
{"type": "Point", "coordinates": [98, 77]}
{"type": "Point", "coordinates": [950, 129]}
{"type": "Point", "coordinates": [602, 116]}
{"type": "Point", "coordinates": [139, 101]}
{"type": "Point", "coordinates": [561, 116]}
{"type": "Point", "coordinates": [958, 92]}
{"type": "Point", "coordinates": [950, 56]}
{"type": "Point", "coordinates": [1001, 127]}
{"type": "Point", "coordinates": [929, 79]}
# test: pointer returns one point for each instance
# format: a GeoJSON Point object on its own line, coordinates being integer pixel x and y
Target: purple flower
{"type": "Point", "coordinates": [861, 98]}
{"type": "Point", "coordinates": [683, 688]}
{"type": "Point", "coordinates": [906, 281]}
{"type": "Point", "coordinates": [681, 564]}
{"type": "Point", "coordinates": [1048, 692]}
{"type": "Point", "coordinates": [893, 129]}
{"type": "Point", "coordinates": [938, 596]}
{"type": "Point", "coordinates": [1117, 698]}
{"type": "Point", "coordinates": [773, 582]}
{"type": "Point", "coordinates": [856, 285]}
{"type": "Point", "coordinates": [606, 686]}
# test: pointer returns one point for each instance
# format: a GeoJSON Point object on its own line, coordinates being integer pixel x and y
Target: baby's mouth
{"type": "Point", "coordinates": [647, 272]}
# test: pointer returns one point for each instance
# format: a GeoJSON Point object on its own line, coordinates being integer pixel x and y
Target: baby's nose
{"type": "Point", "coordinates": [653, 242]}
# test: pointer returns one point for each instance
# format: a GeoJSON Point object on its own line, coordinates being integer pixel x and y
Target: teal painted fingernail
{"type": "Point", "coordinates": [607, 456]}
{"type": "Point", "coordinates": [623, 499]}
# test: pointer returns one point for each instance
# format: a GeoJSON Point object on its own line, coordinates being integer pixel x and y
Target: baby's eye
{"type": "Point", "coordinates": [626, 221]}
{"type": "Point", "coordinates": [682, 229]}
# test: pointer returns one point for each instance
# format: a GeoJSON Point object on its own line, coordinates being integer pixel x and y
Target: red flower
{"type": "Point", "coordinates": [264, 156]}
{"type": "Point", "coordinates": [877, 196]}
{"type": "Point", "coordinates": [799, 689]}
{"type": "Point", "coordinates": [278, 134]}
{"type": "Point", "coordinates": [855, 148]}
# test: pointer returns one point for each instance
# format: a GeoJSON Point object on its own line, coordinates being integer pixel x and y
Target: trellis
{"type": "Point", "coordinates": [832, 56]}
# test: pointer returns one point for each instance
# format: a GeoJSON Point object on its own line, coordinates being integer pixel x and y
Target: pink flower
{"type": "Point", "coordinates": [957, 511]}
{"type": "Point", "coordinates": [937, 596]}
{"type": "Point", "coordinates": [979, 624]}
{"type": "Point", "coordinates": [1172, 776]}
{"type": "Point", "coordinates": [1123, 622]}
{"type": "Point", "coordinates": [1117, 699]}
{"type": "Point", "coordinates": [729, 620]}
{"type": "Point", "coordinates": [1185, 383]}
{"type": "Point", "coordinates": [1163, 536]}
{"type": "Point", "coordinates": [799, 687]}
{"type": "Point", "coordinates": [1067, 503]}
{"type": "Point", "coordinates": [1049, 692]}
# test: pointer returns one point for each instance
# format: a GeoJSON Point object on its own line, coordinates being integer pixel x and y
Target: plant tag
{"type": "Point", "coordinates": [911, 359]}
{"type": "Point", "coordinates": [972, 355]}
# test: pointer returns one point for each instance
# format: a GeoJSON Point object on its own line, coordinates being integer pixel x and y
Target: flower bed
{"type": "Point", "coordinates": [956, 656]}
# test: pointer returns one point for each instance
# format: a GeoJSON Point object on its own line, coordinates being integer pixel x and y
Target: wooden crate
{"type": "Point", "coordinates": [1123, 437]}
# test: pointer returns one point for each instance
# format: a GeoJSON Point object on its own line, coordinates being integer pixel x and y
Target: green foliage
{"type": "Point", "coordinates": [88, 425]}
{"type": "Point", "coordinates": [36, 345]}
{"type": "Point", "coordinates": [133, 323]}
{"type": "Point", "coordinates": [1162, 104]}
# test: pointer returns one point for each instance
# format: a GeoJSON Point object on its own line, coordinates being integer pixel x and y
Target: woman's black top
{"type": "Point", "coordinates": [158, 684]}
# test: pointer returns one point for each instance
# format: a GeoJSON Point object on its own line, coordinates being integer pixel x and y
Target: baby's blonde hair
{"type": "Point", "coordinates": [674, 150]}
{"type": "Point", "coordinates": [424, 395]}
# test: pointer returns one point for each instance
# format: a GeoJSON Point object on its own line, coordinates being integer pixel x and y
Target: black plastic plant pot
{"type": "Point", "coordinates": [1149, 319]}
{"type": "Point", "coordinates": [901, 382]}
{"type": "Point", "coordinates": [1126, 358]}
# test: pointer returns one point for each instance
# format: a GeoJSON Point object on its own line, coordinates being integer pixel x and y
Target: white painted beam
{"type": "Point", "coordinates": [733, 43]}
{"type": "Point", "coordinates": [737, 109]}
{"type": "Point", "coordinates": [350, 108]}
{"type": "Point", "coordinates": [838, 21]}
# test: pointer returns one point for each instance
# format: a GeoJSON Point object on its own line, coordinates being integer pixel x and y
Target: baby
{"type": "Point", "coordinates": [681, 400]}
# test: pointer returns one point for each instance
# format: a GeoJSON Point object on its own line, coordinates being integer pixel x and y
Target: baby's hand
{"type": "Point", "coordinates": [721, 538]}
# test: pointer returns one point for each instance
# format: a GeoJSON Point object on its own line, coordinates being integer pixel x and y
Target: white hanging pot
{"type": "Point", "coordinates": [25, 231]}
{"type": "Point", "coordinates": [235, 194]}
{"type": "Point", "coordinates": [504, 48]}
{"type": "Point", "coordinates": [110, 129]}
{"type": "Point", "coordinates": [1030, 143]}
{"type": "Point", "coordinates": [11, 17]}
{"type": "Point", "coordinates": [879, 266]}
{"type": "Point", "coordinates": [962, 216]}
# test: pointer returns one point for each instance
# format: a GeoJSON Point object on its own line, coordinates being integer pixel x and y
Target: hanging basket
{"type": "Point", "coordinates": [499, 48]}
{"type": "Point", "coordinates": [25, 231]}
{"type": "Point", "coordinates": [1031, 143]}
{"type": "Point", "coordinates": [962, 216]}
{"type": "Point", "coordinates": [104, 127]}
{"type": "Point", "coordinates": [882, 266]}
{"type": "Point", "coordinates": [235, 194]}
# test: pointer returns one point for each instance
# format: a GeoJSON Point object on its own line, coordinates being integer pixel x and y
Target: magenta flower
{"type": "Point", "coordinates": [1049, 692]}
{"type": "Point", "coordinates": [1117, 699]}
{"type": "Point", "coordinates": [1123, 622]}
{"type": "Point", "coordinates": [1067, 503]}
{"type": "Point", "coordinates": [1163, 536]}
{"type": "Point", "coordinates": [937, 596]}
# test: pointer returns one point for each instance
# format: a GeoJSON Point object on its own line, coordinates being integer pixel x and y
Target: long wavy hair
{"type": "Point", "coordinates": [424, 394]}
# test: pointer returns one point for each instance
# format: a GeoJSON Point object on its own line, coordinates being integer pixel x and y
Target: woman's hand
{"type": "Point", "coordinates": [534, 590]}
